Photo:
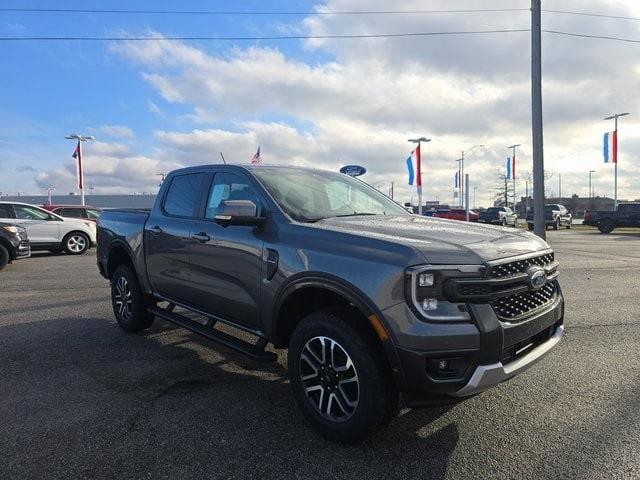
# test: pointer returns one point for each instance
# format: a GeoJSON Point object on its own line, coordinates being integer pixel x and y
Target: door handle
{"type": "Point", "coordinates": [202, 237]}
{"type": "Point", "coordinates": [155, 230]}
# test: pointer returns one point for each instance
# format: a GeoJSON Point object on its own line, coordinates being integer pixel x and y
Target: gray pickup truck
{"type": "Point", "coordinates": [371, 302]}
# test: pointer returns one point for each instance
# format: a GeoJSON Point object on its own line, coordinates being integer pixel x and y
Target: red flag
{"type": "Point", "coordinates": [615, 146]}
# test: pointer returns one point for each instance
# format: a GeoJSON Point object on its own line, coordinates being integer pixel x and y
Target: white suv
{"type": "Point", "coordinates": [48, 231]}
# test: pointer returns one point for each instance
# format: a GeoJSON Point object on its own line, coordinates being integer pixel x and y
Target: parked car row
{"type": "Point", "coordinates": [25, 228]}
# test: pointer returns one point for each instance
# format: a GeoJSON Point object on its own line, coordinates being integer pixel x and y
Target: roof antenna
{"type": "Point", "coordinates": [223, 160]}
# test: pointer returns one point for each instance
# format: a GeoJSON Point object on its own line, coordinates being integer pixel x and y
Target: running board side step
{"type": "Point", "coordinates": [254, 351]}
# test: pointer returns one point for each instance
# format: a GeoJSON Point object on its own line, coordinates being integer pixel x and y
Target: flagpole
{"type": "Point", "coordinates": [419, 168]}
{"type": "Point", "coordinates": [615, 167]}
{"type": "Point", "coordinates": [80, 139]}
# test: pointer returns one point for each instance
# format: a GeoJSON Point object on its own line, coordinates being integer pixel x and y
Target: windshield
{"type": "Point", "coordinates": [311, 195]}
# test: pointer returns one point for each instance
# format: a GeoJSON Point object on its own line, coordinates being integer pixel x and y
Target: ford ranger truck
{"type": "Point", "coordinates": [373, 303]}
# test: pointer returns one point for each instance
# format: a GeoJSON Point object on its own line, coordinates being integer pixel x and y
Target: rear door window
{"type": "Point", "coordinates": [183, 196]}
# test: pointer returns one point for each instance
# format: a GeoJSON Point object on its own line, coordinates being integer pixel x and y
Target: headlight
{"type": "Point", "coordinates": [13, 229]}
{"type": "Point", "coordinates": [424, 291]}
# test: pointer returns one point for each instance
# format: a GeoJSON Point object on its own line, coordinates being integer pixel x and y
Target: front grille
{"type": "Point", "coordinates": [520, 266]}
{"type": "Point", "coordinates": [520, 305]}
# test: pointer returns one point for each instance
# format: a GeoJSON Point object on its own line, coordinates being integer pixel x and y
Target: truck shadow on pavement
{"type": "Point", "coordinates": [167, 403]}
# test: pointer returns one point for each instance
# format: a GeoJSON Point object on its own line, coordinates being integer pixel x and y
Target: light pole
{"type": "Point", "coordinates": [461, 169]}
{"type": "Point", "coordinates": [49, 190]}
{"type": "Point", "coordinates": [419, 172]}
{"type": "Point", "coordinates": [590, 194]}
{"type": "Point", "coordinates": [614, 117]}
{"type": "Point", "coordinates": [536, 120]}
{"type": "Point", "coordinates": [78, 156]}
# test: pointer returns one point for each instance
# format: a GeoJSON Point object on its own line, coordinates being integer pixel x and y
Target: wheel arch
{"type": "Point", "coordinates": [119, 253]}
{"type": "Point", "coordinates": [311, 292]}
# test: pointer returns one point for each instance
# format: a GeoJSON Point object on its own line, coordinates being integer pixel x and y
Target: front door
{"type": "Point", "coordinates": [226, 262]}
{"type": "Point", "coordinates": [167, 236]}
{"type": "Point", "coordinates": [42, 227]}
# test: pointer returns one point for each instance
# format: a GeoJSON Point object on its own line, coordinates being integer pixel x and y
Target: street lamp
{"type": "Point", "coordinates": [590, 194]}
{"type": "Point", "coordinates": [78, 156]}
{"type": "Point", "coordinates": [461, 170]}
{"type": "Point", "coordinates": [419, 172]}
{"type": "Point", "coordinates": [49, 190]}
{"type": "Point", "coordinates": [614, 117]}
{"type": "Point", "coordinates": [474, 196]}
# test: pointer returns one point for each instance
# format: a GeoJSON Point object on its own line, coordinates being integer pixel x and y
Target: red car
{"type": "Point", "coordinates": [457, 214]}
{"type": "Point", "coordinates": [75, 211]}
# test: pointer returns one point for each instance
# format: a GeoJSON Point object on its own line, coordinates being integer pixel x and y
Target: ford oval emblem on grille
{"type": "Point", "coordinates": [537, 277]}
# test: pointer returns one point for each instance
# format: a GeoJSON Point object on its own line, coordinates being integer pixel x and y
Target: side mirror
{"type": "Point", "coordinates": [238, 212]}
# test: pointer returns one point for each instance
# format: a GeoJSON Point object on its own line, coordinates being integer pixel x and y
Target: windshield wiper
{"type": "Point", "coordinates": [356, 215]}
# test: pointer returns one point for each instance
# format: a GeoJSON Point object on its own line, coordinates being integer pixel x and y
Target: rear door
{"type": "Point", "coordinates": [167, 236]}
{"type": "Point", "coordinates": [227, 261]}
{"type": "Point", "coordinates": [42, 227]}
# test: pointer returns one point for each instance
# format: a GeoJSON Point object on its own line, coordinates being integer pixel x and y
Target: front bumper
{"type": "Point", "coordinates": [23, 251]}
{"type": "Point", "coordinates": [483, 353]}
{"type": "Point", "coordinates": [487, 376]}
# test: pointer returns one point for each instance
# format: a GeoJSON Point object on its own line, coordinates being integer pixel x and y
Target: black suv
{"type": "Point", "coordinates": [14, 243]}
{"type": "Point", "coordinates": [370, 301]}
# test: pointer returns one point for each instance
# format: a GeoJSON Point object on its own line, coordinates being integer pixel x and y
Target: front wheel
{"type": "Point", "coordinates": [4, 257]}
{"type": "Point", "coordinates": [339, 378]}
{"type": "Point", "coordinates": [503, 222]}
{"type": "Point", "coordinates": [76, 243]}
{"type": "Point", "coordinates": [556, 226]}
{"type": "Point", "coordinates": [570, 224]}
{"type": "Point", "coordinates": [128, 302]}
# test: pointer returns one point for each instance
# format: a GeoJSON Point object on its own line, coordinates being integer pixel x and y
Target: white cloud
{"type": "Point", "coordinates": [361, 104]}
{"type": "Point", "coordinates": [117, 131]}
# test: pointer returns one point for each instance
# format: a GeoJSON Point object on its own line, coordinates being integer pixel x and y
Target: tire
{"type": "Point", "coordinates": [503, 223]}
{"type": "Point", "coordinates": [4, 257]}
{"type": "Point", "coordinates": [362, 398]}
{"type": "Point", "coordinates": [76, 243]}
{"type": "Point", "coordinates": [132, 314]}
{"type": "Point", "coordinates": [556, 226]}
{"type": "Point", "coordinates": [570, 224]}
{"type": "Point", "coordinates": [606, 226]}
{"type": "Point", "coordinates": [530, 227]}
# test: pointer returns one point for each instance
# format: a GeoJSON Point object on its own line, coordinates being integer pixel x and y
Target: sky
{"type": "Point", "coordinates": [158, 105]}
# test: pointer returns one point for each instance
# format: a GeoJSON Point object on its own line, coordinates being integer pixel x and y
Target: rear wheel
{"type": "Point", "coordinates": [128, 302]}
{"type": "Point", "coordinates": [76, 243]}
{"type": "Point", "coordinates": [606, 226]}
{"type": "Point", "coordinates": [339, 378]}
{"type": "Point", "coordinates": [4, 257]}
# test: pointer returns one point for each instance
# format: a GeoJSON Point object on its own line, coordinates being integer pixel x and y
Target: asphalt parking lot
{"type": "Point", "coordinates": [80, 398]}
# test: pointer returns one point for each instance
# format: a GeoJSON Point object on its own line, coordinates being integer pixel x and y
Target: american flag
{"type": "Point", "coordinates": [255, 160]}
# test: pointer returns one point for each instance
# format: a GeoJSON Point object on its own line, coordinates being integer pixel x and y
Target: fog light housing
{"type": "Point", "coordinates": [430, 304]}
{"type": "Point", "coordinates": [447, 368]}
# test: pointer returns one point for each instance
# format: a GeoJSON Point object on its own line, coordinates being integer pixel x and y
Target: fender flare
{"type": "Point", "coordinates": [119, 243]}
{"type": "Point", "coordinates": [352, 294]}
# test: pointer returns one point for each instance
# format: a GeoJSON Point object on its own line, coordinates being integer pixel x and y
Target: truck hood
{"type": "Point", "coordinates": [440, 241]}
